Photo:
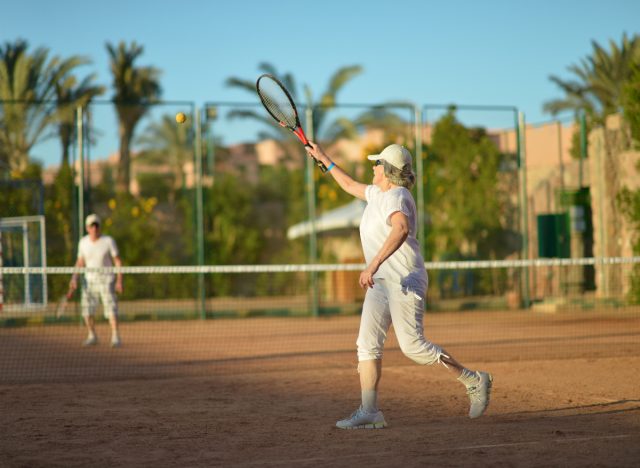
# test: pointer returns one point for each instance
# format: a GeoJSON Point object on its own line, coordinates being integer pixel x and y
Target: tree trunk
{"type": "Point", "coordinates": [124, 165]}
{"type": "Point", "coordinates": [65, 143]}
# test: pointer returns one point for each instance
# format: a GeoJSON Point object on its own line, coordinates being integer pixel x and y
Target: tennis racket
{"type": "Point", "coordinates": [279, 104]}
{"type": "Point", "coordinates": [61, 306]}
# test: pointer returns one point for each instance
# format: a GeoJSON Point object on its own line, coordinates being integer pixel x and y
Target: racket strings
{"type": "Point", "coordinates": [277, 102]}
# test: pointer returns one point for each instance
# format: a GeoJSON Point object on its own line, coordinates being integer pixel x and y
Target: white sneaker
{"type": "Point", "coordinates": [479, 394]}
{"type": "Point", "coordinates": [115, 342]}
{"type": "Point", "coordinates": [362, 420]}
{"type": "Point", "coordinates": [91, 341]}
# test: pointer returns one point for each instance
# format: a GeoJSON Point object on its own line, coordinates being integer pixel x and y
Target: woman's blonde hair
{"type": "Point", "coordinates": [403, 177]}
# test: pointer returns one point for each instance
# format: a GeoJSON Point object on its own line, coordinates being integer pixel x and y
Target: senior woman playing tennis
{"type": "Point", "coordinates": [396, 282]}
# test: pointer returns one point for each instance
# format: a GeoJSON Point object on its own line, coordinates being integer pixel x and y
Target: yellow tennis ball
{"type": "Point", "coordinates": [180, 117]}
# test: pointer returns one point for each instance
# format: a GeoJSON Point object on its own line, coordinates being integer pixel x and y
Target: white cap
{"type": "Point", "coordinates": [396, 155]}
{"type": "Point", "coordinates": [92, 219]}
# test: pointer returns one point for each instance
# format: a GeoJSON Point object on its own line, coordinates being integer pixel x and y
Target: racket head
{"type": "Point", "coordinates": [280, 105]}
{"type": "Point", "coordinates": [61, 306]}
{"type": "Point", "coordinates": [278, 102]}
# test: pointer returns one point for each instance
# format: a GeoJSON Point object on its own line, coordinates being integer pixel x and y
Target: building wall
{"type": "Point", "coordinates": [613, 166]}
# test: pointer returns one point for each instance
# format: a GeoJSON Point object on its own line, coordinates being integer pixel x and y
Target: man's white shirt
{"type": "Point", "coordinates": [98, 254]}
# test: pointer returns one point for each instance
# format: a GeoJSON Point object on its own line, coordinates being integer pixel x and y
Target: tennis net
{"type": "Point", "coordinates": [194, 319]}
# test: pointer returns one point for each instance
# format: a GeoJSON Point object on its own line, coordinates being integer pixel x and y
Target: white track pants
{"type": "Point", "coordinates": [385, 304]}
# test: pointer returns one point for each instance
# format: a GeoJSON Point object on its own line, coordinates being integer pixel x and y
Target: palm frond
{"type": "Point", "coordinates": [240, 83]}
{"type": "Point", "coordinates": [599, 79]}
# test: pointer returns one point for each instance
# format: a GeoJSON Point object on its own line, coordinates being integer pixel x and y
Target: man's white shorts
{"type": "Point", "coordinates": [96, 291]}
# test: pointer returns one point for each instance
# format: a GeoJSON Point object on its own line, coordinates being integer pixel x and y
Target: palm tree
{"type": "Point", "coordinates": [631, 103]}
{"type": "Point", "coordinates": [71, 94]}
{"type": "Point", "coordinates": [599, 80]}
{"type": "Point", "coordinates": [328, 99]}
{"type": "Point", "coordinates": [165, 143]}
{"type": "Point", "coordinates": [321, 106]}
{"type": "Point", "coordinates": [27, 92]}
{"type": "Point", "coordinates": [383, 117]}
{"type": "Point", "coordinates": [135, 88]}
{"type": "Point", "coordinates": [598, 91]}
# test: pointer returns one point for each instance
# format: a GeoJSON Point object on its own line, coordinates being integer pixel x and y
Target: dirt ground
{"type": "Point", "coordinates": [267, 392]}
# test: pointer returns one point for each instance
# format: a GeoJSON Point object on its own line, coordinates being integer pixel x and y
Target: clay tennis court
{"type": "Point", "coordinates": [267, 392]}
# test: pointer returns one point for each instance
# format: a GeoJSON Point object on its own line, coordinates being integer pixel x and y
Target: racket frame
{"type": "Point", "coordinates": [297, 130]}
{"type": "Point", "coordinates": [63, 303]}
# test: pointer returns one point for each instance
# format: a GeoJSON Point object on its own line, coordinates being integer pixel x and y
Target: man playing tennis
{"type": "Point", "coordinates": [96, 251]}
{"type": "Point", "coordinates": [396, 282]}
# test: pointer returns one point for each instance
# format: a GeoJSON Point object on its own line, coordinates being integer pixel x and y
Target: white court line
{"type": "Point", "coordinates": [453, 449]}
{"type": "Point", "coordinates": [535, 442]}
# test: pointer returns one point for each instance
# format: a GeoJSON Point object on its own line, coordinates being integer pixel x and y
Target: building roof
{"type": "Point", "coordinates": [346, 216]}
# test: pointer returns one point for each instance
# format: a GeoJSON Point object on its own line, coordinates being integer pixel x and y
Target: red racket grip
{"type": "Point", "coordinates": [303, 138]}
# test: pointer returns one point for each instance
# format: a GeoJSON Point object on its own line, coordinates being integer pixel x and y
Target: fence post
{"type": "Point", "coordinates": [583, 147]}
{"type": "Point", "coordinates": [80, 159]}
{"type": "Point", "coordinates": [522, 160]}
{"type": "Point", "coordinates": [199, 210]}
{"type": "Point", "coordinates": [1, 278]}
{"type": "Point", "coordinates": [311, 206]}
{"type": "Point", "coordinates": [419, 177]}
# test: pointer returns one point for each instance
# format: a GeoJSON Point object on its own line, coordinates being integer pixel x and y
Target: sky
{"type": "Point", "coordinates": [469, 52]}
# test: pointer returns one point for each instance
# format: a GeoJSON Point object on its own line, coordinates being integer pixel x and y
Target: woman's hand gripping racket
{"type": "Point", "coordinates": [278, 102]}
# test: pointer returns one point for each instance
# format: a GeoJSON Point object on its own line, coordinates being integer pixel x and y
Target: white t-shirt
{"type": "Point", "coordinates": [98, 254]}
{"type": "Point", "coordinates": [406, 265]}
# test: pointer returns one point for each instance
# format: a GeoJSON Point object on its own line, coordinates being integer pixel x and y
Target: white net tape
{"type": "Point", "coordinates": [213, 269]}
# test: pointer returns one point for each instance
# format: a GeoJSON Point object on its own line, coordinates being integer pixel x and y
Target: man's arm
{"type": "Point", "coordinates": [73, 284]}
{"type": "Point", "coordinates": [117, 261]}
